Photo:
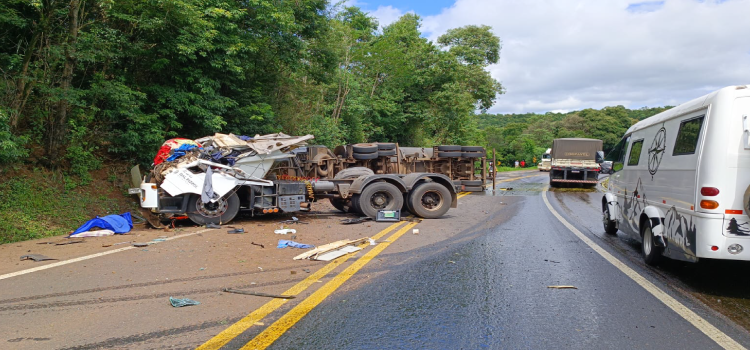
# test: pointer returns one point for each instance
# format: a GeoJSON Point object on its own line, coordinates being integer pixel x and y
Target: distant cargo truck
{"type": "Point", "coordinates": [575, 160]}
{"type": "Point", "coordinates": [546, 163]}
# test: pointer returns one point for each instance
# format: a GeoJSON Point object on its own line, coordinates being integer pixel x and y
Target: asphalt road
{"type": "Point", "coordinates": [478, 278]}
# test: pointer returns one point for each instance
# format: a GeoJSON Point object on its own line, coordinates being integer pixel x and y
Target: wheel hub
{"type": "Point", "coordinates": [212, 209]}
{"type": "Point", "coordinates": [379, 200]}
{"type": "Point", "coordinates": [431, 200]}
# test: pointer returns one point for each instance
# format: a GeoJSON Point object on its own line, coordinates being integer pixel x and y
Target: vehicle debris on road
{"type": "Point", "coordinates": [64, 242]}
{"type": "Point", "coordinates": [95, 233]}
{"type": "Point", "coordinates": [562, 287]}
{"type": "Point", "coordinates": [258, 244]}
{"type": "Point", "coordinates": [237, 230]}
{"type": "Point", "coordinates": [285, 243]}
{"type": "Point", "coordinates": [355, 221]}
{"type": "Point", "coordinates": [285, 231]}
{"type": "Point", "coordinates": [182, 302]}
{"type": "Point", "coordinates": [258, 294]}
{"type": "Point", "coordinates": [36, 257]}
{"type": "Point", "coordinates": [333, 250]}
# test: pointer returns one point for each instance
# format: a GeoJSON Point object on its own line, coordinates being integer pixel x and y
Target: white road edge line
{"type": "Point", "coordinates": [87, 257]}
{"type": "Point", "coordinates": [704, 326]}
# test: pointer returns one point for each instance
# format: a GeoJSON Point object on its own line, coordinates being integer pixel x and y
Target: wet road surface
{"type": "Point", "coordinates": [489, 290]}
{"type": "Point", "coordinates": [476, 279]}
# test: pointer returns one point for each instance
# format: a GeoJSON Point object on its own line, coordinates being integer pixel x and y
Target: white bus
{"type": "Point", "coordinates": [680, 180]}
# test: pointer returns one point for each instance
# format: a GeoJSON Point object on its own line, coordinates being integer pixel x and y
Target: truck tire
{"type": "Point", "coordinates": [472, 154]}
{"type": "Point", "coordinates": [472, 182]}
{"type": "Point", "coordinates": [379, 196]}
{"type": "Point", "coordinates": [386, 153]}
{"type": "Point", "coordinates": [365, 156]}
{"type": "Point", "coordinates": [221, 212]}
{"type": "Point", "coordinates": [353, 173]}
{"type": "Point", "coordinates": [343, 205]}
{"type": "Point", "coordinates": [472, 149]}
{"type": "Point", "coordinates": [338, 203]}
{"type": "Point", "coordinates": [354, 205]}
{"type": "Point", "coordinates": [449, 154]}
{"type": "Point", "coordinates": [449, 148]}
{"type": "Point", "coordinates": [429, 200]}
{"type": "Point", "coordinates": [386, 146]}
{"type": "Point", "coordinates": [365, 148]}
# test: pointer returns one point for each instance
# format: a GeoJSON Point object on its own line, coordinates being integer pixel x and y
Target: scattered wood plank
{"type": "Point", "coordinates": [562, 287]}
{"type": "Point", "coordinates": [258, 294]}
{"type": "Point", "coordinates": [329, 247]}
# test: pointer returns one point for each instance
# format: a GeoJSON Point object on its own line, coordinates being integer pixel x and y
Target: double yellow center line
{"type": "Point", "coordinates": [273, 332]}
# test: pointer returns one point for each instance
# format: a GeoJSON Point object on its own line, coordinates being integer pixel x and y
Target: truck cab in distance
{"type": "Point", "coordinates": [546, 163]}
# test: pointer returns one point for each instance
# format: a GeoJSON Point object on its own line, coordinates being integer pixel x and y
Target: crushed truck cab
{"type": "Point", "coordinates": [196, 185]}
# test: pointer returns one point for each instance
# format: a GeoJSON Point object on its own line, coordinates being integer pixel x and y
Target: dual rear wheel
{"type": "Point", "coordinates": [427, 200]}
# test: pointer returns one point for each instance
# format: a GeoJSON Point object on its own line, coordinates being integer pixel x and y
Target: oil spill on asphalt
{"type": "Point", "coordinates": [520, 189]}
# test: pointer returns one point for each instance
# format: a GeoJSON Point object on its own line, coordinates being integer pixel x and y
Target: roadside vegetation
{"type": "Point", "coordinates": [40, 203]}
{"type": "Point", "coordinates": [527, 136]}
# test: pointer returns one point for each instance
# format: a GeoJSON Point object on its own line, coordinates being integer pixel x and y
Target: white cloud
{"type": "Point", "coordinates": [387, 15]}
{"type": "Point", "coordinates": [567, 55]}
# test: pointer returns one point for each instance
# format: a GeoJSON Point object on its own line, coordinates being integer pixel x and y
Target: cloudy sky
{"type": "Point", "coordinates": [568, 55]}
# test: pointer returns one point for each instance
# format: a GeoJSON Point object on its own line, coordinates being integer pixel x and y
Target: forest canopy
{"type": "Point", "coordinates": [82, 79]}
{"type": "Point", "coordinates": [527, 136]}
{"type": "Point", "coordinates": [87, 80]}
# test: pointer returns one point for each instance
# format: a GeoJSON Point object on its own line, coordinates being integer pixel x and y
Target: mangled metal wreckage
{"type": "Point", "coordinates": [210, 180]}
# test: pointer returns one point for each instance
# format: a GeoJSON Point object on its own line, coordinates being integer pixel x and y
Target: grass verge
{"type": "Point", "coordinates": [38, 203]}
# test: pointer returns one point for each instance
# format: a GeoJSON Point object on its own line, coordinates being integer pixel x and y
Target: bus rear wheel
{"type": "Point", "coordinates": [651, 253]}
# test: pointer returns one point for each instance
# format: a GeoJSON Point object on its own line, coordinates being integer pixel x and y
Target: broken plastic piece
{"type": "Point", "coordinates": [285, 231]}
{"type": "Point", "coordinates": [284, 243]}
{"type": "Point", "coordinates": [182, 302]}
{"type": "Point", "coordinates": [237, 230]}
{"type": "Point", "coordinates": [212, 225]}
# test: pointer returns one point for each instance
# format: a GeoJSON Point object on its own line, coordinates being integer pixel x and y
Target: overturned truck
{"type": "Point", "coordinates": [212, 179]}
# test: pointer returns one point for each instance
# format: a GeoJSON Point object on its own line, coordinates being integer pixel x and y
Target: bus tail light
{"type": "Point", "coordinates": [709, 191]}
{"type": "Point", "coordinates": [705, 204]}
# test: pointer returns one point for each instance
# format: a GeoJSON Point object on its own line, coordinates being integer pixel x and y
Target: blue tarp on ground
{"type": "Point", "coordinates": [122, 223]}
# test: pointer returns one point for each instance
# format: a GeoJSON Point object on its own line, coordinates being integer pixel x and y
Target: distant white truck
{"type": "Point", "coordinates": [546, 163]}
{"type": "Point", "coordinates": [575, 160]}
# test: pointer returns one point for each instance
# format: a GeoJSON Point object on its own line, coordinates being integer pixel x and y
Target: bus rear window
{"type": "Point", "coordinates": [687, 136]}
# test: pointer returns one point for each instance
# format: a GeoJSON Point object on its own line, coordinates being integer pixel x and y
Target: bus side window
{"type": "Point", "coordinates": [617, 154]}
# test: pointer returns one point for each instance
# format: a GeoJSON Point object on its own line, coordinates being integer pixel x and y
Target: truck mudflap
{"type": "Point", "coordinates": [576, 181]}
